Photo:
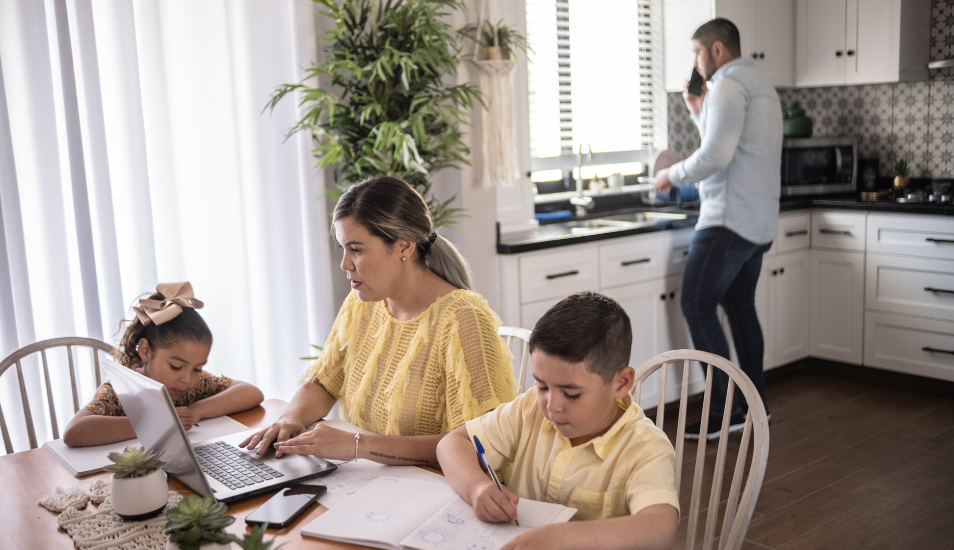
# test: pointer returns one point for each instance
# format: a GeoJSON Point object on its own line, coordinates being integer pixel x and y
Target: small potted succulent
{"type": "Point", "coordinates": [139, 489]}
{"type": "Point", "coordinates": [901, 174]}
{"type": "Point", "coordinates": [508, 39]}
{"type": "Point", "coordinates": [198, 523]}
{"type": "Point", "coordinates": [255, 539]}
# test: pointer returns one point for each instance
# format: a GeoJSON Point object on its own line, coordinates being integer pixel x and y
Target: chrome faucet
{"type": "Point", "coordinates": [581, 202]}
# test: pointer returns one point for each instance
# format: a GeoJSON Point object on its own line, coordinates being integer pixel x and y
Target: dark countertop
{"type": "Point", "coordinates": [851, 202]}
{"type": "Point", "coordinates": [559, 234]}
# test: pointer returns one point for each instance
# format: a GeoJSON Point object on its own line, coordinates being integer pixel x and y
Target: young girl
{"type": "Point", "coordinates": [169, 342]}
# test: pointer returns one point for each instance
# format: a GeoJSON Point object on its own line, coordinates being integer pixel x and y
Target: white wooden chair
{"type": "Point", "coordinates": [741, 500]}
{"type": "Point", "coordinates": [521, 334]}
{"type": "Point", "coordinates": [15, 359]}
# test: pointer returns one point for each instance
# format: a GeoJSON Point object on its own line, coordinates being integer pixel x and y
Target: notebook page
{"type": "Point", "coordinates": [81, 461]}
{"type": "Point", "coordinates": [456, 527]}
{"type": "Point", "coordinates": [386, 511]}
{"type": "Point", "coordinates": [351, 477]}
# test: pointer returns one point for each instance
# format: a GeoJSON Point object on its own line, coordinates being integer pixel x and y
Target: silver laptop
{"type": "Point", "coordinates": [215, 466]}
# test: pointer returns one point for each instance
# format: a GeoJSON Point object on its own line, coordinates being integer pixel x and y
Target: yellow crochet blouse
{"type": "Point", "coordinates": [424, 376]}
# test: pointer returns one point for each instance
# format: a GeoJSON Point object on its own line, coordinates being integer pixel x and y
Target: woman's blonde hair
{"type": "Point", "coordinates": [390, 209]}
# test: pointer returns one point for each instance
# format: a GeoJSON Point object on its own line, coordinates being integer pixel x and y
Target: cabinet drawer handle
{"type": "Point", "coordinates": [940, 241]}
{"type": "Point", "coordinates": [838, 53]}
{"type": "Point", "coordinates": [564, 274]}
{"type": "Point", "coordinates": [935, 350]}
{"type": "Point", "coordinates": [850, 53]}
{"type": "Point", "coordinates": [634, 262]}
{"type": "Point", "coordinates": [796, 233]}
{"type": "Point", "coordinates": [833, 231]}
{"type": "Point", "coordinates": [932, 289]}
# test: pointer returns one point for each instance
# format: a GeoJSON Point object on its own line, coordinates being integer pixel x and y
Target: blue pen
{"type": "Point", "coordinates": [493, 475]}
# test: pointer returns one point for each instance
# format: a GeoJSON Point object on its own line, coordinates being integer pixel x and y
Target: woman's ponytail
{"type": "Point", "coordinates": [443, 258]}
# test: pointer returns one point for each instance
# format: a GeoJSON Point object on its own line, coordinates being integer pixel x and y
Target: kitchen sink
{"type": "Point", "coordinates": [597, 225]}
{"type": "Point", "coordinates": [643, 218]}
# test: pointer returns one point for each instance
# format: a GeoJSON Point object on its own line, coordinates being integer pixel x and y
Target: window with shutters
{"type": "Point", "coordinates": [595, 79]}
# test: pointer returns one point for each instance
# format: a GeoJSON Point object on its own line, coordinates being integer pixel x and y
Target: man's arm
{"type": "Point", "coordinates": [725, 119]}
{"type": "Point", "coordinates": [652, 528]}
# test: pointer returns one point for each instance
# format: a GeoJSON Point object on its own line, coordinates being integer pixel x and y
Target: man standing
{"type": "Point", "coordinates": [739, 117]}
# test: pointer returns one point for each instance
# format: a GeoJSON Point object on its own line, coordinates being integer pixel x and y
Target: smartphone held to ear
{"type": "Point", "coordinates": [283, 508]}
{"type": "Point", "coordinates": [695, 83]}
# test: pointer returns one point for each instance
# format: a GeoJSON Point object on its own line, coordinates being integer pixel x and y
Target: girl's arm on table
{"type": "Point", "coordinates": [87, 429]}
{"type": "Point", "coordinates": [239, 396]}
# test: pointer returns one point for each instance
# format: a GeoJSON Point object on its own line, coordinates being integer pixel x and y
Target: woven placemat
{"type": "Point", "coordinates": [102, 529]}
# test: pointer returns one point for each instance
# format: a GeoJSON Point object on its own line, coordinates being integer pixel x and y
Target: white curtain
{"type": "Point", "coordinates": [134, 150]}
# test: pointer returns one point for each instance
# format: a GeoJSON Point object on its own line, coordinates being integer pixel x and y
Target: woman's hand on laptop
{"type": "Point", "coordinates": [187, 417]}
{"type": "Point", "coordinates": [282, 430]}
{"type": "Point", "coordinates": [323, 441]}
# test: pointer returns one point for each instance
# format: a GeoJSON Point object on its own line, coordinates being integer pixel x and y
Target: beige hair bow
{"type": "Point", "coordinates": [175, 296]}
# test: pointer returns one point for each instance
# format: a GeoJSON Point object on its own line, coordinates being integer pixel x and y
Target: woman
{"type": "Point", "coordinates": [413, 353]}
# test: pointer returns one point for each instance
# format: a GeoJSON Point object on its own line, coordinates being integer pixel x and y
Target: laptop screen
{"type": "Point", "coordinates": [154, 419]}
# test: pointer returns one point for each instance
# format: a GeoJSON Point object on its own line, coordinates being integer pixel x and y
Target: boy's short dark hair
{"type": "Point", "coordinates": [719, 30]}
{"type": "Point", "coordinates": [589, 327]}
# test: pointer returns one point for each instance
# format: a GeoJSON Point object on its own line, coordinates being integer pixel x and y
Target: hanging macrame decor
{"type": "Point", "coordinates": [495, 60]}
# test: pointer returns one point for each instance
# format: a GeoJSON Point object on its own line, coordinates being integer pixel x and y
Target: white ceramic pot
{"type": "Point", "coordinates": [139, 498]}
{"type": "Point", "coordinates": [173, 546]}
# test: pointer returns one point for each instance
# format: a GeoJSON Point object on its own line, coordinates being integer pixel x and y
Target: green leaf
{"type": "Point", "coordinates": [384, 105]}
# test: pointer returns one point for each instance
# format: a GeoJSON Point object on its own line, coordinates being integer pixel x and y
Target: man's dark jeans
{"type": "Point", "coordinates": [723, 268]}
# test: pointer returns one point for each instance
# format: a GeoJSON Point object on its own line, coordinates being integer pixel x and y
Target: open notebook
{"type": "Point", "coordinates": [81, 461]}
{"type": "Point", "coordinates": [404, 513]}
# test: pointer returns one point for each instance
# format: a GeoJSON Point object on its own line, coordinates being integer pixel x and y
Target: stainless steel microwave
{"type": "Point", "coordinates": [815, 166]}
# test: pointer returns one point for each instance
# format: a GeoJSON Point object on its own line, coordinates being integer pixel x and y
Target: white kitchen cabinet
{"type": "Point", "coordinates": [836, 329]}
{"type": "Point", "coordinates": [789, 276]}
{"type": "Point", "coordinates": [838, 230]}
{"type": "Point", "coordinates": [911, 286]}
{"type": "Point", "coordinates": [914, 345]}
{"type": "Point", "coordinates": [860, 41]}
{"type": "Point", "coordinates": [646, 305]}
{"type": "Point", "coordinates": [555, 274]}
{"type": "Point", "coordinates": [658, 326]}
{"type": "Point", "coordinates": [907, 235]}
{"type": "Point", "coordinates": [767, 35]}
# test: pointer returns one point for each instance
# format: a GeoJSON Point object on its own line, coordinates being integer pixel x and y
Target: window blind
{"type": "Point", "coordinates": [596, 78]}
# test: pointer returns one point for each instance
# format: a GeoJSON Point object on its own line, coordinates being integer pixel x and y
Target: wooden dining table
{"type": "Point", "coordinates": [28, 476]}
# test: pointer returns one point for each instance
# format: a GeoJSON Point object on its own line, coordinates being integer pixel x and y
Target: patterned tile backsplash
{"type": "Point", "coordinates": [909, 120]}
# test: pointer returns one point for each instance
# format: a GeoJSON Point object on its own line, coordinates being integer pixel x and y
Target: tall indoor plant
{"type": "Point", "coordinates": [384, 104]}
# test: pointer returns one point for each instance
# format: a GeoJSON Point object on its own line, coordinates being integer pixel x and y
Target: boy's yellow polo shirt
{"type": "Point", "coordinates": [621, 472]}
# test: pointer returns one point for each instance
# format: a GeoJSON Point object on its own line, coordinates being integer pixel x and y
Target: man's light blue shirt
{"type": "Point", "coordinates": [739, 161]}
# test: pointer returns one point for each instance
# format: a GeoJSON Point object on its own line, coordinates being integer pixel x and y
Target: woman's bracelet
{"type": "Point", "coordinates": [357, 437]}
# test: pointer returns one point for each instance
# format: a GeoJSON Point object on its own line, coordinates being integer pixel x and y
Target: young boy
{"type": "Point", "coordinates": [575, 438]}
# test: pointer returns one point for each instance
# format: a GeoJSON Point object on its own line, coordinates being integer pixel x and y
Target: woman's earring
{"type": "Point", "coordinates": [403, 258]}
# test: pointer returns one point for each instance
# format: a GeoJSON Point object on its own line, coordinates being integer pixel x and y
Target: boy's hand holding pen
{"type": "Point", "coordinates": [494, 502]}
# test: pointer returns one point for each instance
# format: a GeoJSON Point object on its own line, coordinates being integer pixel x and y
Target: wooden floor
{"type": "Point", "coordinates": [853, 463]}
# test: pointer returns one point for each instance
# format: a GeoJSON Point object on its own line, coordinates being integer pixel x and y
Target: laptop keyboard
{"type": "Point", "coordinates": [232, 467]}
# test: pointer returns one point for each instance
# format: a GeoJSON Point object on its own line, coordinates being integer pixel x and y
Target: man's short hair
{"type": "Point", "coordinates": [588, 328]}
{"type": "Point", "coordinates": [719, 30]}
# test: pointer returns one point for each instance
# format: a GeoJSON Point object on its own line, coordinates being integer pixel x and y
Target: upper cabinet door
{"type": "Point", "coordinates": [743, 14]}
{"type": "Point", "coordinates": [820, 42]}
{"type": "Point", "coordinates": [776, 41]}
{"type": "Point", "coordinates": [872, 41]}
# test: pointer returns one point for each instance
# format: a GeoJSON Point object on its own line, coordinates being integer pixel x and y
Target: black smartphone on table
{"type": "Point", "coordinates": [695, 83]}
{"type": "Point", "coordinates": [283, 508]}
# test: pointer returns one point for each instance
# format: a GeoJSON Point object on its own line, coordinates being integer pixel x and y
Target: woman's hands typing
{"type": "Point", "coordinates": [323, 441]}
{"type": "Point", "coordinates": [283, 430]}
